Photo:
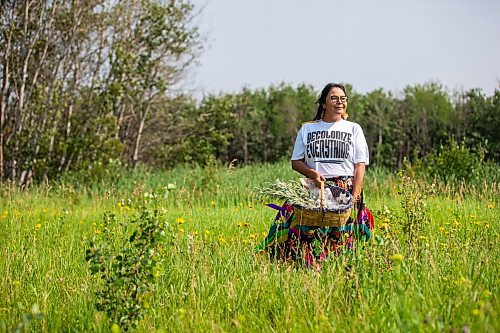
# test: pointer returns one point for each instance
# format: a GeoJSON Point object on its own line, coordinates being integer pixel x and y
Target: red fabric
{"type": "Point", "coordinates": [370, 218]}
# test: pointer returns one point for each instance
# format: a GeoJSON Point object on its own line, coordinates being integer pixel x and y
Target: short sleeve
{"type": "Point", "coordinates": [299, 149]}
{"type": "Point", "coordinates": [361, 154]}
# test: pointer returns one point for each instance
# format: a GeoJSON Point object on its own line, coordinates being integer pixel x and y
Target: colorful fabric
{"type": "Point", "coordinates": [310, 245]}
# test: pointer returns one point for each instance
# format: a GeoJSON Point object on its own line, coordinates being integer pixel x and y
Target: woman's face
{"type": "Point", "coordinates": [336, 102]}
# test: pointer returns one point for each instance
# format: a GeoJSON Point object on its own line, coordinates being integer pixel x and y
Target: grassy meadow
{"type": "Point", "coordinates": [445, 278]}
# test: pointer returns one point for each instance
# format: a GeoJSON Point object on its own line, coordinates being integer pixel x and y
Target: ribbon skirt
{"type": "Point", "coordinates": [287, 240]}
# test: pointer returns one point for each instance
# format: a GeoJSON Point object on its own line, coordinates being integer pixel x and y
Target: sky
{"type": "Point", "coordinates": [370, 44]}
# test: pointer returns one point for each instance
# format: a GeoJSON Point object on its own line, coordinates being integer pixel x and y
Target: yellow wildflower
{"type": "Point", "coordinates": [115, 328]}
{"type": "Point", "coordinates": [321, 317]}
{"type": "Point", "coordinates": [38, 226]}
{"type": "Point", "coordinates": [97, 231]}
{"type": "Point", "coordinates": [243, 224]}
{"type": "Point", "coordinates": [397, 257]}
{"type": "Point", "coordinates": [476, 312]}
{"type": "Point", "coordinates": [464, 282]}
{"type": "Point", "coordinates": [180, 220]}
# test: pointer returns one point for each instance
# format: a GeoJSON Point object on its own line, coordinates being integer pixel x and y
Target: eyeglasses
{"type": "Point", "coordinates": [342, 99]}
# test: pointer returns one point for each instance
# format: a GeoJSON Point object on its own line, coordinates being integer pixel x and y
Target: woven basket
{"type": "Point", "coordinates": [322, 217]}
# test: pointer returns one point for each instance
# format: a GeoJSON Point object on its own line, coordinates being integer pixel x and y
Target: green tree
{"type": "Point", "coordinates": [81, 81]}
{"type": "Point", "coordinates": [478, 120]}
{"type": "Point", "coordinates": [379, 118]}
{"type": "Point", "coordinates": [425, 114]}
{"type": "Point", "coordinates": [152, 45]}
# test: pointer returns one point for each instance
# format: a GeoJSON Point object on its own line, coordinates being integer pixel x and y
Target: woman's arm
{"type": "Point", "coordinates": [302, 168]}
{"type": "Point", "coordinates": [359, 174]}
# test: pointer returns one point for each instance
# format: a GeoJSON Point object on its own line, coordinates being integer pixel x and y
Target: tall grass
{"type": "Point", "coordinates": [212, 280]}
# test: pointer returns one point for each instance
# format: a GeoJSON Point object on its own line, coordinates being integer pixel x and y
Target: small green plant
{"type": "Point", "coordinates": [127, 268]}
{"type": "Point", "coordinates": [415, 215]}
{"type": "Point", "coordinates": [210, 178]}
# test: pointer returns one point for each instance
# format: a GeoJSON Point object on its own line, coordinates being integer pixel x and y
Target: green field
{"type": "Point", "coordinates": [445, 279]}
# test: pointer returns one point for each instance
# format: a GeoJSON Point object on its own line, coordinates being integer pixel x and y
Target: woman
{"type": "Point", "coordinates": [333, 150]}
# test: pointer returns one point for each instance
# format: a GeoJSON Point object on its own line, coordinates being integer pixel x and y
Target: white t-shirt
{"type": "Point", "coordinates": [331, 148]}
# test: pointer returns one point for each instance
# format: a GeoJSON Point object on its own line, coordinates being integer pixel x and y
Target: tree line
{"type": "Point", "coordinates": [88, 85]}
{"type": "Point", "coordinates": [261, 125]}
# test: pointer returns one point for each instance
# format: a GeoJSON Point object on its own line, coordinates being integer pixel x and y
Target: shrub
{"type": "Point", "coordinates": [454, 163]}
{"type": "Point", "coordinates": [126, 257]}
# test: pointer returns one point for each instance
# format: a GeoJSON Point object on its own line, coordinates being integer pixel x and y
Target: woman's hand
{"type": "Point", "coordinates": [355, 196]}
{"type": "Point", "coordinates": [318, 179]}
{"type": "Point", "coordinates": [303, 169]}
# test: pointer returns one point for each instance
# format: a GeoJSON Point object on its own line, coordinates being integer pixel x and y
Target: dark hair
{"type": "Point", "coordinates": [322, 98]}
